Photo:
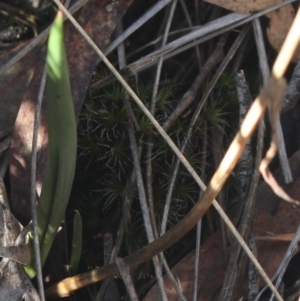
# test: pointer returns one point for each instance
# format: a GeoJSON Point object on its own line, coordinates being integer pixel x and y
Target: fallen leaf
{"type": "Point", "coordinates": [244, 6]}
{"type": "Point", "coordinates": [21, 147]}
{"type": "Point", "coordinates": [14, 84]}
{"type": "Point", "coordinates": [280, 23]}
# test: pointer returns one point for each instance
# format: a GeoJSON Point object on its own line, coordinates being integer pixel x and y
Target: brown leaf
{"type": "Point", "coordinates": [280, 23]}
{"type": "Point", "coordinates": [14, 84]}
{"type": "Point", "coordinates": [21, 146]}
{"type": "Point", "coordinates": [244, 6]}
{"type": "Point", "coordinates": [99, 19]}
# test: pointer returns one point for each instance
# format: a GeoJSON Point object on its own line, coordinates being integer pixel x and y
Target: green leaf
{"type": "Point", "coordinates": [60, 166]}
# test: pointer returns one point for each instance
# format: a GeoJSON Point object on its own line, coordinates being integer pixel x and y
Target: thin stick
{"type": "Point", "coordinates": [161, 59]}
{"type": "Point", "coordinates": [33, 188]}
{"type": "Point", "coordinates": [152, 111]}
{"type": "Point", "coordinates": [125, 274]}
{"type": "Point", "coordinates": [149, 163]}
{"type": "Point", "coordinates": [127, 200]}
{"type": "Point", "coordinates": [275, 96]}
{"type": "Point", "coordinates": [246, 172]}
{"type": "Point", "coordinates": [140, 185]}
{"type": "Point", "coordinates": [145, 210]}
{"type": "Point", "coordinates": [175, 284]}
{"type": "Point", "coordinates": [198, 110]}
{"type": "Point", "coordinates": [198, 36]}
{"type": "Point", "coordinates": [137, 24]}
{"type": "Point", "coordinates": [150, 230]}
{"type": "Point", "coordinates": [190, 24]}
{"type": "Point", "coordinates": [197, 259]}
{"type": "Point", "coordinates": [204, 33]}
{"type": "Point", "coordinates": [190, 95]}
{"type": "Point", "coordinates": [264, 69]}
{"type": "Point", "coordinates": [290, 252]}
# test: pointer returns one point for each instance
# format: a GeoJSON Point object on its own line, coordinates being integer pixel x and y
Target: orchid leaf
{"type": "Point", "coordinates": [60, 166]}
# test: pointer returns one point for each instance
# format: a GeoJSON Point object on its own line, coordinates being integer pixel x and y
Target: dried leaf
{"type": "Point", "coordinates": [280, 23]}
{"type": "Point", "coordinates": [14, 84]}
{"type": "Point", "coordinates": [14, 283]}
{"type": "Point", "coordinates": [21, 145]}
{"type": "Point", "coordinates": [244, 6]}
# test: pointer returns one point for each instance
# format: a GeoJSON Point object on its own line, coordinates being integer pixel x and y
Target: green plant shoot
{"type": "Point", "coordinates": [60, 166]}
